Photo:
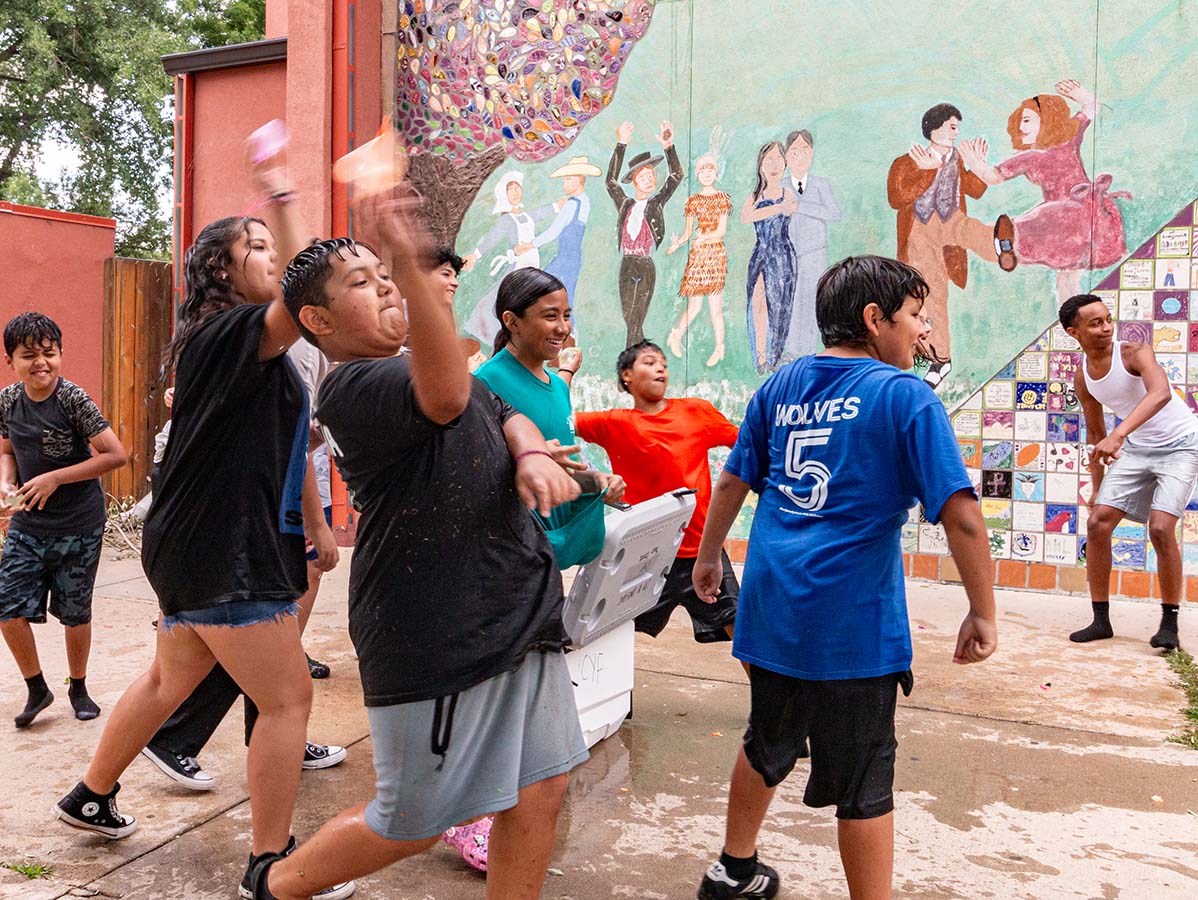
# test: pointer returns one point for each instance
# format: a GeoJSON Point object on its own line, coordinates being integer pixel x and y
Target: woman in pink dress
{"type": "Point", "coordinates": [1077, 226]}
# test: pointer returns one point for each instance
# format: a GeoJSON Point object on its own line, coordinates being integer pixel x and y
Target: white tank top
{"type": "Point", "coordinates": [1120, 392]}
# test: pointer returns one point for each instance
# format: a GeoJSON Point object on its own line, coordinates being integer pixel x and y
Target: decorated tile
{"type": "Point", "coordinates": [996, 512]}
{"type": "Point", "coordinates": [1000, 544]}
{"type": "Point", "coordinates": [1028, 486]}
{"type": "Point", "coordinates": [996, 483]}
{"type": "Point", "coordinates": [933, 540]}
{"type": "Point", "coordinates": [1062, 339]}
{"type": "Point", "coordinates": [1136, 275]}
{"type": "Point", "coordinates": [1174, 365]}
{"type": "Point", "coordinates": [1172, 305]}
{"type": "Point", "coordinates": [1027, 545]}
{"type": "Point", "coordinates": [998, 423]}
{"type": "Point", "coordinates": [1060, 488]}
{"type": "Point", "coordinates": [1027, 516]}
{"type": "Point", "coordinates": [1062, 397]}
{"type": "Point", "coordinates": [1062, 364]}
{"type": "Point", "coordinates": [1032, 367]}
{"type": "Point", "coordinates": [1189, 558]}
{"type": "Point", "coordinates": [1132, 531]}
{"type": "Point", "coordinates": [1127, 554]}
{"type": "Point", "coordinates": [1029, 455]}
{"type": "Point", "coordinates": [1136, 332]}
{"type": "Point", "coordinates": [1174, 242]}
{"type": "Point", "coordinates": [971, 452]}
{"type": "Point", "coordinates": [1063, 458]}
{"type": "Point", "coordinates": [967, 424]}
{"type": "Point", "coordinates": [1060, 518]}
{"type": "Point", "coordinates": [1135, 306]}
{"type": "Point", "coordinates": [997, 454]}
{"type": "Point", "coordinates": [1060, 549]}
{"type": "Point", "coordinates": [999, 395]}
{"type": "Point", "coordinates": [910, 538]}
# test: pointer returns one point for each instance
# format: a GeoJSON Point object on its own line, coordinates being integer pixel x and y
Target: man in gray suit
{"type": "Point", "coordinates": [809, 234]}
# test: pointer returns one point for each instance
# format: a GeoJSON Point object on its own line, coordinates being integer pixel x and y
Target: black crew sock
{"type": "Point", "coordinates": [740, 868]}
{"type": "Point", "coordinates": [1166, 636]}
{"type": "Point", "coordinates": [1097, 630]}
{"type": "Point", "coordinates": [85, 707]}
{"type": "Point", "coordinates": [39, 698]}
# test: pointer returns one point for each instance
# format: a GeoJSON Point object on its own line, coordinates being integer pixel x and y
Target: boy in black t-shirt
{"type": "Point", "coordinates": [49, 475]}
{"type": "Point", "coordinates": [455, 597]}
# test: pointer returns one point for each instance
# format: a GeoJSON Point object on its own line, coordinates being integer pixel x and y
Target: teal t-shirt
{"type": "Point", "coordinates": [546, 403]}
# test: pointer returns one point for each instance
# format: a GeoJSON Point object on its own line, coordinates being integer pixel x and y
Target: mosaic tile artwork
{"type": "Point", "coordinates": [1023, 435]}
{"type": "Point", "coordinates": [525, 74]}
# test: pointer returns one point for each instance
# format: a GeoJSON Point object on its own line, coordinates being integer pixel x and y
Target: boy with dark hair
{"type": "Point", "coordinates": [1145, 468]}
{"type": "Point", "coordinates": [49, 474]}
{"type": "Point", "coordinates": [660, 445]}
{"type": "Point", "coordinates": [456, 618]}
{"type": "Point", "coordinates": [838, 446]}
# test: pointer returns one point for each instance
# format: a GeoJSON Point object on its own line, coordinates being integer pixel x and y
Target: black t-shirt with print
{"type": "Point", "coordinates": [53, 434]}
{"type": "Point", "coordinates": [226, 523]}
{"type": "Point", "coordinates": [451, 583]}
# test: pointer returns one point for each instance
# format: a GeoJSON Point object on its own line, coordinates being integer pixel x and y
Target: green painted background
{"type": "Point", "coordinates": [859, 76]}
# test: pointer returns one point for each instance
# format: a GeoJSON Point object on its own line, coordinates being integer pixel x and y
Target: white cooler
{"type": "Point", "coordinates": [608, 593]}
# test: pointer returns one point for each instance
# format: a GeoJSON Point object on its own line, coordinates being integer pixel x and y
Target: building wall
{"type": "Point", "coordinates": [54, 264]}
{"type": "Point", "coordinates": [229, 104]}
{"type": "Point", "coordinates": [859, 77]}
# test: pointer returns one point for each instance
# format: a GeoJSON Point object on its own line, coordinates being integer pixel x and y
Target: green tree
{"type": "Point", "coordinates": [87, 74]}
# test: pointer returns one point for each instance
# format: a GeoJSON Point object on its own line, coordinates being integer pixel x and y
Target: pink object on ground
{"type": "Point", "coordinates": [471, 841]}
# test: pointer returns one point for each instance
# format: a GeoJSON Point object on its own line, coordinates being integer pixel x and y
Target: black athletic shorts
{"type": "Point", "coordinates": [708, 619]}
{"type": "Point", "coordinates": [849, 725]}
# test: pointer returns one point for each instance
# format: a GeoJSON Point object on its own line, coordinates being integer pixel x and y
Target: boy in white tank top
{"type": "Point", "coordinates": [1144, 469]}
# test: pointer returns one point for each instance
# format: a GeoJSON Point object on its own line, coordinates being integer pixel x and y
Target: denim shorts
{"type": "Point", "coordinates": [233, 614]}
{"type": "Point", "coordinates": [440, 762]}
{"type": "Point", "coordinates": [1146, 478]}
{"type": "Point", "coordinates": [57, 568]}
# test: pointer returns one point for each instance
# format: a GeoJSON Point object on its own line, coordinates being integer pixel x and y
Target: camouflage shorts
{"type": "Point", "coordinates": [60, 568]}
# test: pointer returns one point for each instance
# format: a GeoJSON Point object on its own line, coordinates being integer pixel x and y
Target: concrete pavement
{"type": "Point", "coordinates": [1043, 773]}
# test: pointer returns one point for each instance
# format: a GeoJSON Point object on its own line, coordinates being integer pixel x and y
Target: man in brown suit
{"type": "Point", "coordinates": [927, 186]}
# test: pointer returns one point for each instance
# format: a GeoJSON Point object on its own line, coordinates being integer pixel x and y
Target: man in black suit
{"type": "Point", "coordinates": [640, 221]}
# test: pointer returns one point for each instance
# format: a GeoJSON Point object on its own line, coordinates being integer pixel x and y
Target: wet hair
{"type": "Point", "coordinates": [937, 116]}
{"type": "Point", "coordinates": [30, 329]}
{"type": "Point", "coordinates": [517, 292]}
{"type": "Point", "coordinates": [801, 133]}
{"type": "Point", "coordinates": [851, 285]}
{"type": "Point", "coordinates": [205, 293]}
{"type": "Point", "coordinates": [443, 255]}
{"type": "Point", "coordinates": [1071, 307]}
{"type": "Point", "coordinates": [627, 359]}
{"type": "Point", "coordinates": [1057, 125]}
{"type": "Point", "coordinates": [308, 273]}
{"type": "Point", "coordinates": [761, 154]}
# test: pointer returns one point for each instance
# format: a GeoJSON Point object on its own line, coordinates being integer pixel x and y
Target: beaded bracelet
{"type": "Point", "coordinates": [524, 453]}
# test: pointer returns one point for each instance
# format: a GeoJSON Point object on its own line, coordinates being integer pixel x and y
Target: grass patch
{"type": "Point", "coordinates": [1187, 671]}
{"type": "Point", "coordinates": [30, 870]}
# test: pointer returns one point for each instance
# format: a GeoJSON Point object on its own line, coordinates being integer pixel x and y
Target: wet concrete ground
{"type": "Point", "coordinates": [1043, 773]}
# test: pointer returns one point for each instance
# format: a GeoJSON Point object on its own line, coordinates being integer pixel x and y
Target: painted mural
{"type": "Point", "coordinates": [1023, 434]}
{"type": "Point", "coordinates": [745, 151]}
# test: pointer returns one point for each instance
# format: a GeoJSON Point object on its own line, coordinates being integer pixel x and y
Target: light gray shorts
{"type": "Point", "coordinates": [1146, 478]}
{"type": "Point", "coordinates": [502, 735]}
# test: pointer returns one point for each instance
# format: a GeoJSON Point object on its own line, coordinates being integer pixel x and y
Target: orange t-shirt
{"type": "Point", "coordinates": [656, 454]}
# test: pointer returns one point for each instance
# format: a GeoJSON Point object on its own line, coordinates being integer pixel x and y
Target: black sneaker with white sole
{"type": "Point", "coordinates": [717, 884]}
{"type": "Point", "coordinates": [322, 756]}
{"type": "Point", "coordinates": [246, 889]}
{"type": "Point", "coordinates": [84, 808]}
{"type": "Point", "coordinates": [183, 769]}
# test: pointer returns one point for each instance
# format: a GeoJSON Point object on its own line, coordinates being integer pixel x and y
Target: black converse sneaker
{"type": "Point", "coordinates": [183, 769]}
{"type": "Point", "coordinates": [246, 889]}
{"type": "Point", "coordinates": [322, 756]}
{"type": "Point", "coordinates": [717, 884]}
{"type": "Point", "coordinates": [84, 808]}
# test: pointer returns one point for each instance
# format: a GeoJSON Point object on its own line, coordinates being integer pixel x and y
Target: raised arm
{"type": "Point", "coordinates": [282, 217]}
{"type": "Point", "coordinates": [973, 152]}
{"type": "Point", "coordinates": [440, 378]}
{"type": "Point", "coordinates": [612, 182]}
{"type": "Point", "coordinates": [672, 163]}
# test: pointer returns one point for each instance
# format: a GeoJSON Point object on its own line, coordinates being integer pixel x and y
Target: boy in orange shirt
{"type": "Point", "coordinates": [658, 446]}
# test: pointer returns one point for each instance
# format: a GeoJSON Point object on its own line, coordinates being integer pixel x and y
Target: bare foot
{"type": "Point", "coordinates": [675, 343]}
{"type": "Point", "coordinates": [716, 356]}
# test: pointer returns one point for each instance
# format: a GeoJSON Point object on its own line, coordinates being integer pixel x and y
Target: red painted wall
{"type": "Point", "coordinates": [53, 262]}
{"type": "Point", "coordinates": [229, 105]}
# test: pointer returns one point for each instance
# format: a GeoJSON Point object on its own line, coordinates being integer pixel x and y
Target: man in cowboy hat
{"type": "Point", "coordinates": [640, 221]}
{"type": "Point", "coordinates": [569, 225]}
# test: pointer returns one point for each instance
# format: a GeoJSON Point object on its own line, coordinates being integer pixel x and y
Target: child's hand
{"type": "Point", "coordinates": [615, 487]}
{"type": "Point", "coordinates": [563, 456]}
{"type": "Point", "coordinates": [327, 553]}
{"type": "Point", "coordinates": [570, 358]}
{"type": "Point", "coordinates": [542, 484]}
{"type": "Point", "coordinates": [36, 491]}
{"type": "Point", "coordinates": [707, 577]}
{"type": "Point", "coordinates": [168, 398]}
{"type": "Point", "coordinates": [977, 639]}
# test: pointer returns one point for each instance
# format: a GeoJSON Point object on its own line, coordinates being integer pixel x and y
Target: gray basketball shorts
{"type": "Point", "coordinates": [1146, 478]}
{"type": "Point", "coordinates": [439, 763]}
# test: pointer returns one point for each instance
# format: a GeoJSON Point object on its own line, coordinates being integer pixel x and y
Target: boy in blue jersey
{"type": "Point", "coordinates": [838, 447]}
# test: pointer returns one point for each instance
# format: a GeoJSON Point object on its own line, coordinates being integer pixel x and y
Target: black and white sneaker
{"type": "Point", "coordinates": [183, 769]}
{"type": "Point", "coordinates": [322, 756]}
{"type": "Point", "coordinates": [246, 889]}
{"type": "Point", "coordinates": [84, 808]}
{"type": "Point", "coordinates": [717, 884]}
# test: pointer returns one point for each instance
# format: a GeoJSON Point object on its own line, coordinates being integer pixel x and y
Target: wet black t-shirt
{"type": "Point", "coordinates": [451, 583]}
{"type": "Point", "coordinates": [226, 523]}
{"type": "Point", "coordinates": [52, 434]}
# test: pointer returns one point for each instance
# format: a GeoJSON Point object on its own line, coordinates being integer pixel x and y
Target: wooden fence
{"type": "Point", "coordinates": [137, 325]}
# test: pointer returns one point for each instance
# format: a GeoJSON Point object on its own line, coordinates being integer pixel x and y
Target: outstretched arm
{"type": "Point", "coordinates": [973, 152]}
{"type": "Point", "coordinates": [623, 136]}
